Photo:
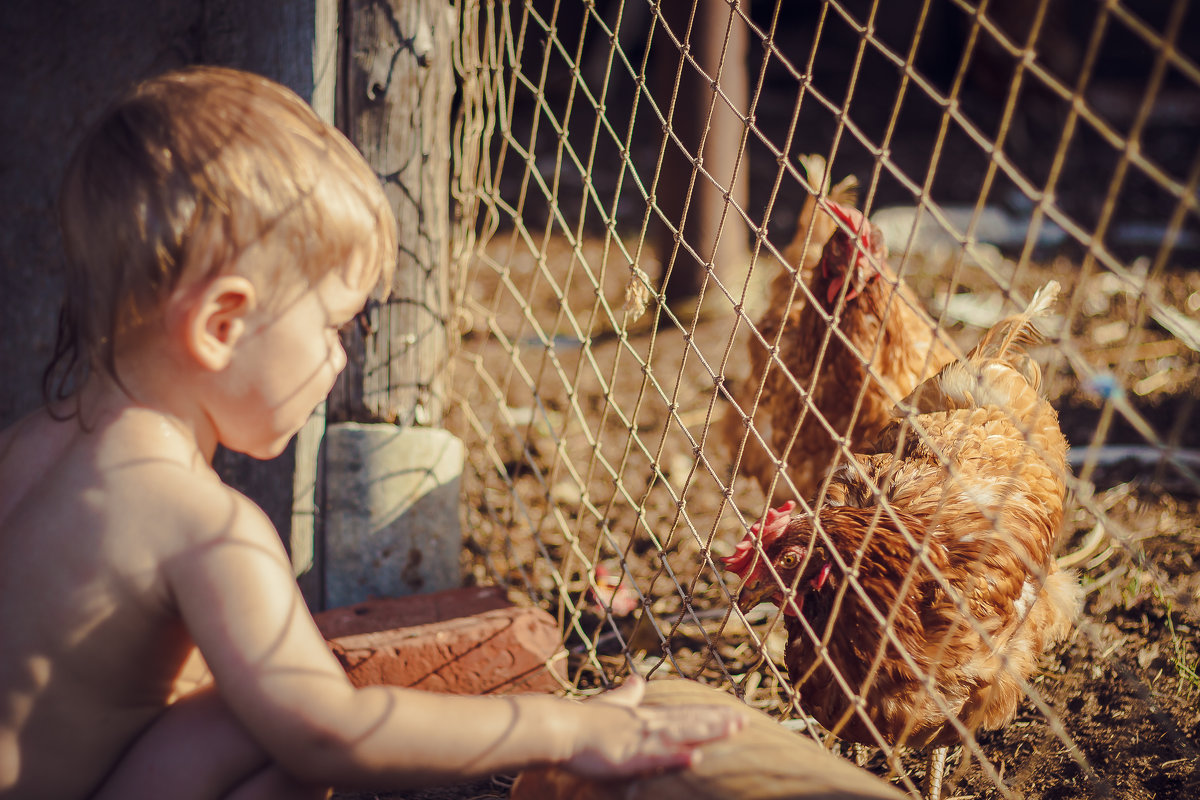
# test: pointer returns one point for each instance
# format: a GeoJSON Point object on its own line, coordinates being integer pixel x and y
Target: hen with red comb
{"type": "Point", "coordinates": [884, 345]}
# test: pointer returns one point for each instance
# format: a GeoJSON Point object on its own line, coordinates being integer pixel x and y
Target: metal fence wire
{"type": "Point", "coordinates": [669, 324]}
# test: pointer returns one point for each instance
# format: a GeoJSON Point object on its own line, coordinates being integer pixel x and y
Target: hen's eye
{"type": "Point", "coordinates": [789, 560]}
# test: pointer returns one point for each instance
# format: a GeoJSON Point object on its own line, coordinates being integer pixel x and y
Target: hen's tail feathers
{"type": "Point", "coordinates": [817, 170]}
{"type": "Point", "coordinates": [846, 191]}
{"type": "Point", "coordinates": [814, 167]}
{"type": "Point", "coordinates": [975, 380]}
{"type": "Point", "coordinates": [1008, 338]}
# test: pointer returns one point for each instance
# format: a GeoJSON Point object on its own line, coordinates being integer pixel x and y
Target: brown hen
{"type": "Point", "coordinates": [883, 347]}
{"type": "Point", "coordinates": [956, 594]}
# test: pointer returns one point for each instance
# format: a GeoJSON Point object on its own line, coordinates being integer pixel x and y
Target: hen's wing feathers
{"type": "Point", "coordinates": [1013, 335]}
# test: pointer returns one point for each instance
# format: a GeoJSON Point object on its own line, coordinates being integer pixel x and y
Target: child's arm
{"type": "Point", "coordinates": [234, 588]}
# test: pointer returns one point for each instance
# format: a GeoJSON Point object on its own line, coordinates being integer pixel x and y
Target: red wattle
{"type": "Point", "coordinates": [819, 580]}
{"type": "Point", "coordinates": [787, 607]}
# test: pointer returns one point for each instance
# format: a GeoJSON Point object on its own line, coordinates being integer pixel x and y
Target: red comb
{"type": "Point", "coordinates": [767, 530]}
{"type": "Point", "coordinates": [857, 222]}
{"type": "Point", "coordinates": [854, 218]}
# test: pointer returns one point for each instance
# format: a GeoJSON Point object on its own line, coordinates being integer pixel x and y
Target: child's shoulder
{"type": "Point", "coordinates": [177, 484]}
{"type": "Point", "coordinates": [131, 475]}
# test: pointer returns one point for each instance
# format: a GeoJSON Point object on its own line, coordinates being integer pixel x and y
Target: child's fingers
{"type": "Point", "coordinates": [628, 694]}
{"type": "Point", "coordinates": [650, 763]}
{"type": "Point", "coordinates": [691, 724]}
{"type": "Point", "coordinates": [664, 739]}
{"type": "Point", "coordinates": [628, 739]}
{"type": "Point", "coordinates": [670, 726]}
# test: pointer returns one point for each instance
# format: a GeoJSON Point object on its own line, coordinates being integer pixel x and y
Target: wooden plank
{"type": "Point", "coordinates": [397, 88]}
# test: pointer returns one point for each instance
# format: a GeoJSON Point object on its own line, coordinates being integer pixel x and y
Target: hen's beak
{"type": "Point", "coordinates": [754, 592]}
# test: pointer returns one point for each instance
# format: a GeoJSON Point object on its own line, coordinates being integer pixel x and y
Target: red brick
{"type": "Point", "coordinates": [460, 641]}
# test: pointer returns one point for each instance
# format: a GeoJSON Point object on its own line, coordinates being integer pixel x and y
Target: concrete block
{"type": "Point", "coordinates": [464, 641]}
{"type": "Point", "coordinates": [390, 526]}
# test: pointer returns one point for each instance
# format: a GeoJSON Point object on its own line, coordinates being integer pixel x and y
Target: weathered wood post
{"type": "Point", "coordinates": [390, 511]}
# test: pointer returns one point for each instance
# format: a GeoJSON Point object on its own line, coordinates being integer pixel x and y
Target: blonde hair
{"type": "Point", "coordinates": [178, 179]}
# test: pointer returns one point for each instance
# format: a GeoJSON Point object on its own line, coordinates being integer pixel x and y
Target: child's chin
{"type": "Point", "coordinates": [275, 450]}
{"type": "Point", "coordinates": [264, 451]}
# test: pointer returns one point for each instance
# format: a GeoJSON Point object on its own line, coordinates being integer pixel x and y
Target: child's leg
{"type": "Point", "coordinates": [197, 750]}
{"type": "Point", "coordinates": [271, 784]}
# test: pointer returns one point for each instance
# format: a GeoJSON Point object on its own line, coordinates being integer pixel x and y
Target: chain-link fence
{"type": "Point", "coordinates": [657, 346]}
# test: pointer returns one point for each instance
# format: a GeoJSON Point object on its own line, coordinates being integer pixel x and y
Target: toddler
{"type": "Point", "coordinates": [218, 234]}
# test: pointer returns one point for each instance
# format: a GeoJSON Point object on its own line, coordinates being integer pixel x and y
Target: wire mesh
{"type": "Point", "coordinates": [624, 434]}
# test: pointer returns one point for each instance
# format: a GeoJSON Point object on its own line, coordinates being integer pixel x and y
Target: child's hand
{"type": "Point", "coordinates": [617, 738]}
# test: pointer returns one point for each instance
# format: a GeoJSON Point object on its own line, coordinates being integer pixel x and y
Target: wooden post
{"type": "Point", "coordinates": [721, 243]}
{"type": "Point", "coordinates": [397, 88]}
{"type": "Point", "coordinates": [390, 509]}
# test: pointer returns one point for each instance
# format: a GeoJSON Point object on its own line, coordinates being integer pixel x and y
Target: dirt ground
{"type": "Point", "coordinates": [1122, 693]}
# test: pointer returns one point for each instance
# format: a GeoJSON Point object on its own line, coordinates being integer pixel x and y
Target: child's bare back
{"type": "Point", "coordinates": [218, 236]}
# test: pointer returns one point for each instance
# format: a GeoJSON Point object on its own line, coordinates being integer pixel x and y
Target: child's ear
{"type": "Point", "coordinates": [217, 320]}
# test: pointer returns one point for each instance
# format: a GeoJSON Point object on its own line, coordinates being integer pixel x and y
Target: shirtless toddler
{"type": "Point", "coordinates": [218, 235]}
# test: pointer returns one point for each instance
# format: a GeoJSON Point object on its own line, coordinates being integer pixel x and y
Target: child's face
{"type": "Point", "coordinates": [285, 365]}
